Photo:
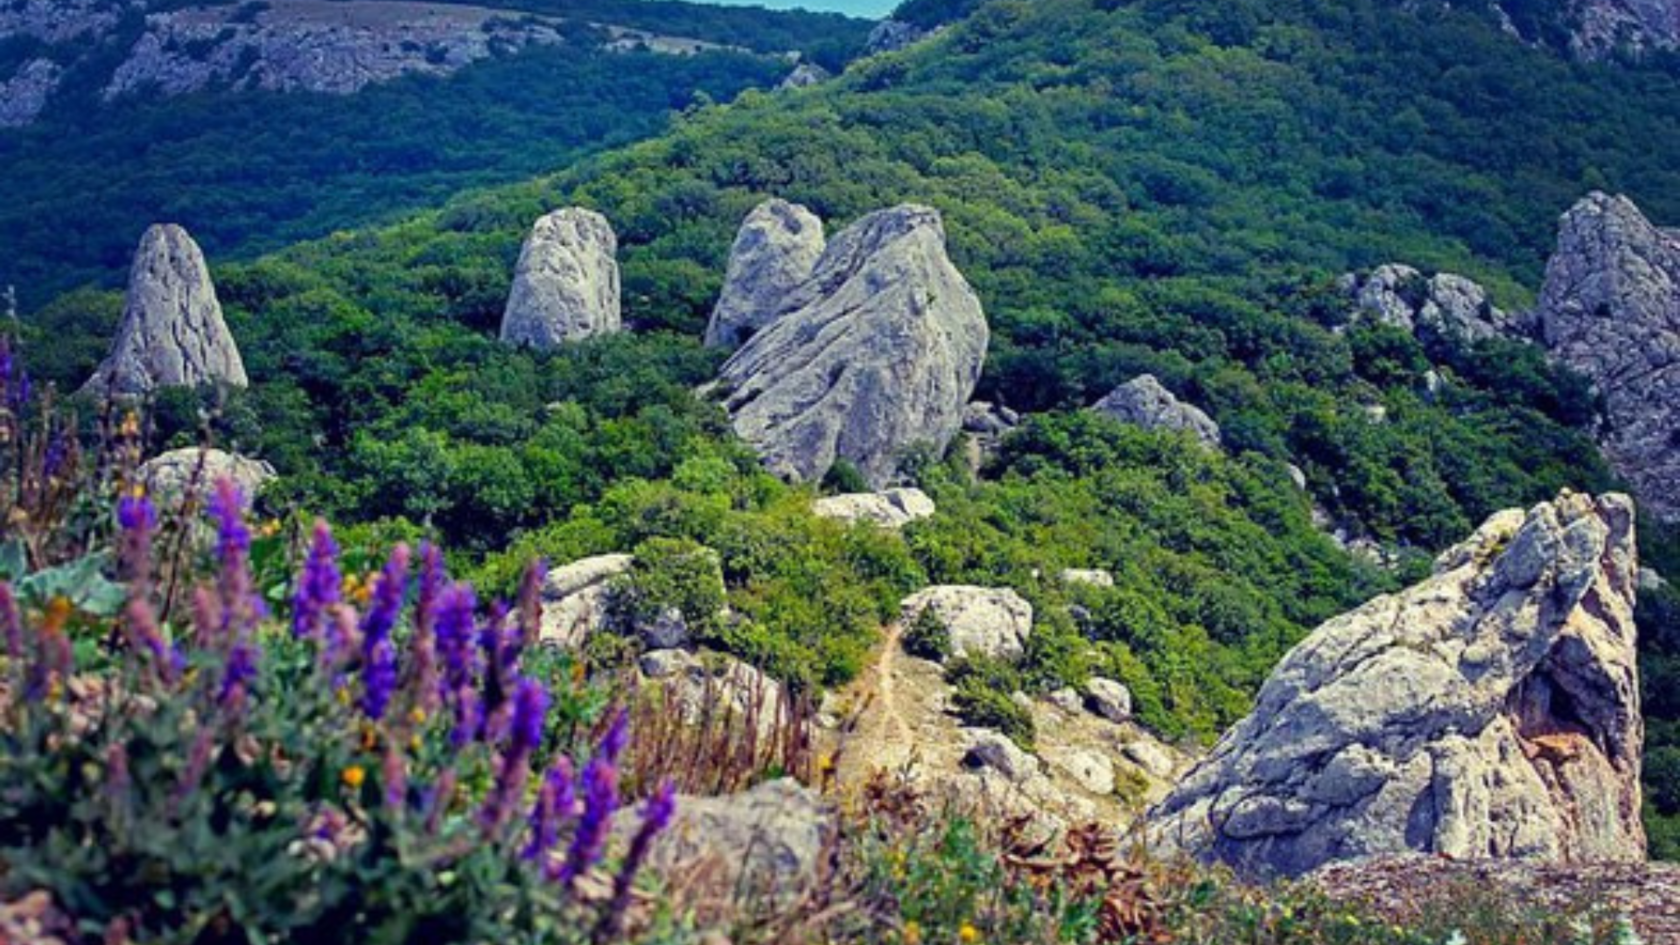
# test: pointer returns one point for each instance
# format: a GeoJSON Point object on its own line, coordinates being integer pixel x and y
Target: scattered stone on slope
{"type": "Point", "coordinates": [1143, 402]}
{"type": "Point", "coordinates": [805, 75]}
{"type": "Point", "coordinates": [1490, 711]}
{"type": "Point", "coordinates": [988, 621]}
{"type": "Point", "coordinates": [877, 353]}
{"type": "Point", "coordinates": [729, 690]}
{"type": "Point", "coordinates": [1610, 310]}
{"type": "Point", "coordinates": [25, 94]}
{"type": "Point", "coordinates": [1091, 577]}
{"type": "Point", "coordinates": [890, 508]}
{"type": "Point", "coordinates": [566, 284]}
{"type": "Point", "coordinates": [578, 598]}
{"type": "Point", "coordinates": [171, 476]}
{"type": "Point", "coordinates": [1442, 307]}
{"type": "Point", "coordinates": [775, 252]}
{"type": "Point", "coordinates": [1109, 699]}
{"type": "Point", "coordinates": [172, 333]}
{"type": "Point", "coordinates": [762, 846]}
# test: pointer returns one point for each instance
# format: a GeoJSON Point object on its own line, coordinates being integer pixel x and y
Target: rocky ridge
{"type": "Point", "coordinates": [1490, 711]}
{"type": "Point", "coordinates": [172, 333]}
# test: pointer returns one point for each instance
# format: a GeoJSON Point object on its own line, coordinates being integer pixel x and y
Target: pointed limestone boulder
{"type": "Point", "coordinates": [775, 251]}
{"type": "Point", "coordinates": [172, 332]}
{"type": "Point", "coordinates": [566, 285]}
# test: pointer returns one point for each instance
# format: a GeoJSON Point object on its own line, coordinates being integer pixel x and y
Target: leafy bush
{"type": "Point", "coordinates": [928, 637]}
{"type": "Point", "coordinates": [981, 695]}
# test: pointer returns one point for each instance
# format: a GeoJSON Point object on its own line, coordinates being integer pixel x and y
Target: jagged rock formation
{"type": "Point", "coordinates": [1142, 401]}
{"type": "Point", "coordinates": [775, 252]}
{"type": "Point", "coordinates": [172, 333]}
{"type": "Point", "coordinates": [1440, 307]}
{"type": "Point", "coordinates": [1610, 310]}
{"type": "Point", "coordinates": [1490, 711]}
{"type": "Point", "coordinates": [566, 284]}
{"type": "Point", "coordinates": [577, 598]}
{"type": "Point", "coordinates": [989, 621]}
{"type": "Point", "coordinates": [170, 476]}
{"type": "Point", "coordinates": [892, 508]}
{"type": "Point", "coordinates": [805, 75]}
{"type": "Point", "coordinates": [878, 352]}
{"type": "Point", "coordinates": [1597, 29]}
{"type": "Point", "coordinates": [892, 35]}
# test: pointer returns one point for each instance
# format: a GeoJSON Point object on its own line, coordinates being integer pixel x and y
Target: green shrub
{"type": "Point", "coordinates": [928, 637]}
{"type": "Point", "coordinates": [981, 690]}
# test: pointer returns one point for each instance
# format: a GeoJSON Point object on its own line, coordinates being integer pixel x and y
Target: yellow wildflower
{"type": "Point", "coordinates": [912, 932]}
{"type": "Point", "coordinates": [353, 776]}
{"type": "Point", "coordinates": [968, 934]}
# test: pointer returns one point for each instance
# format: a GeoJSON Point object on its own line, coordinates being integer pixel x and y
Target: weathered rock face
{"type": "Point", "coordinates": [879, 351]}
{"type": "Point", "coordinates": [577, 598]}
{"type": "Point", "coordinates": [1490, 711]}
{"type": "Point", "coordinates": [170, 476]}
{"type": "Point", "coordinates": [1142, 401]}
{"type": "Point", "coordinates": [25, 94]}
{"type": "Point", "coordinates": [1439, 307]}
{"type": "Point", "coordinates": [892, 508]}
{"type": "Point", "coordinates": [775, 251]}
{"type": "Point", "coordinates": [1610, 309]}
{"type": "Point", "coordinates": [1599, 28]}
{"type": "Point", "coordinates": [566, 284]}
{"type": "Point", "coordinates": [989, 621]}
{"type": "Point", "coordinates": [172, 333]}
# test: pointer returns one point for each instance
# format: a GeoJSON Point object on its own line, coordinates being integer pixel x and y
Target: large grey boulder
{"type": "Point", "coordinates": [1490, 711]}
{"type": "Point", "coordinates": [1142, 401]}
{"type": "Point", "coordinates": [192, 472]}
{"type": "Point", "coordinates": [878, 352]}
{"type": "Point", "coordinates": [172, 333]}
{"type": "Point", "coordinates": [988, 621]}
{"type": "Point", "coordinates": [578, 598]}
{"type": "Point", "coordinates": [1610, 310]}
{"type": "Point", "coordinates": [892, 35]}
{"type": "Point", "coordinates": [890, 508]}
{"type": "Point", "coordinates": [775, 251]}
{"type": "Point", "coordinates": [805, 75]}
{"type": "Point", "coordinates": [566, 284]}
{"type": "Point", "coordinates": [1444, 306]}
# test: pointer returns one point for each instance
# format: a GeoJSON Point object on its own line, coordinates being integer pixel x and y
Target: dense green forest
{"type": "Point", "coordinates": [254, 171]}
{"type": "Point", "coordinates": [1164, 186]}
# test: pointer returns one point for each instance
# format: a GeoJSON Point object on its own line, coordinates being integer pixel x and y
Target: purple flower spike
{"type": "Point", "coordinates": [617, 737]}
{"type": "Point", "coordinates": [530, 711]}
{"type": "Point", "coordinates": [551, 811]}
{"type": "Point", "coordinates": [600, 801]}
{"type": "Point", "coordinates": [530, 708]}
{"type": "Point", "coordinates": [136, 513]}
{"type": "Point", "coordinates": [233, 536]}
{"type": "Point", "coordinates": [236, 677]}
{"type": "Point", "coordinates": [433, 582]}
{"type": "Point", "coordinates": [319, 586]}
{"type": "Point", "coordinates": [241, 608]}
{"type": "Point", "coordinates": [455, 636]}
{"type": "Point", "coordinates": [656, 816]}
{"type": "Point", "coordinates": [379, 679]}
{"type": "Point", "coordinates": [379, 657]}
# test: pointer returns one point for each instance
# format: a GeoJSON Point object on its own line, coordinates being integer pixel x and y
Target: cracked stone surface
{"type": "Point", "coordinates": [1489, 711]}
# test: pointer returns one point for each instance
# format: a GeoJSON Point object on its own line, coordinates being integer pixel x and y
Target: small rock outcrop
{"type": "Point", "coordinates": [170, 476]}
{"type": "Point", "coordinates": [1610, 310]}
{"type": "Point", "coordinates": [775, 251]}
{"type": "Point", "coordinates": [1490, 711]}
{"type": "Point", "coordinates": [25, 94]}
{"type": "Point", "coordinates": [892, 508]}
{"type": "Point", "coordinates": [989, 621]}
{"type": "Point", "coordinates": [566, 284]}
{"type": "Point", "coordinates": [1109, 699]}
{"type": "Point", "coordinates": [805, 75]}
{"type": "Point", "coordinates": [893, 35]}
{"type": "Point", "coordinates": [1592, 30]}
{"type": "Point", "coordinates": [172, 332]}
{"type": "Point", "coordinates": [1143, 402]}
{"type": "Point", "coordinates": [577, 598]}
{"type": "Point", "coordinates": [1444, 307]}
{"type": "Point", "coordinates": [878, 352]}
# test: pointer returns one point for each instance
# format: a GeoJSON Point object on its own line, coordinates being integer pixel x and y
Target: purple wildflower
{"type": "Point", "coordinates": [553, 808]}
{"type": "Point", "coordinates": [138, 519]}
{"type": "Point", "coordinates": [455, 635]}
{"type": "Point", "coordinates": [241, 608]}
{"type": "Point", "coordinates": [600, 800]}
{"type": "Point", "coordinates": [469, 716]}
{"type": "Point", "coordinates": [319, 586]}
{"type": "Point", "coordinates": [530, 710]}
{"type": "Point", "coordinates": [58, 449]}
{"type": "Point", "coordinates": [616, 738]}
{"type": "Point", "coordinates": [441, 796]}
{"type": "Point", "coordinates": [18, 393]}
{"type": "Point", "coordinates": [241, 668]}
{"type": "Point", "coordinates": [433, 582]}
{"type": "Point", "coordinates": [379, 657]}
{"type": "Point", "coordinates": [144, 636]}
{"type": "Point", "coordinates": [656, 816]}
{"type": "Point", "coordinates": [198, 763]}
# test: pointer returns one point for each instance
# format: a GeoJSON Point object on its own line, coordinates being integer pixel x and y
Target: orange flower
{"type": "Point", "coordinates": [353, 777]}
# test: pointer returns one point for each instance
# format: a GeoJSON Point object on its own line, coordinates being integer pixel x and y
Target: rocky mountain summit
{"type": "Point", "coordinates": [1490, 711]}
{"type": "Point", "coordinates": [331, 46]}
{"type": "Point", "coordinates": [775, 251]}
{"type": "Point", "coordinates": [1610, 310]}
{"type": "Point", "coordinates": [878, 351]}
{"type": "Point", "coordinates": [1143, 402]}
{"type": "Point", "coordinates": [566, 284]}
{"type": "Point", "coordinates": [172, 332]}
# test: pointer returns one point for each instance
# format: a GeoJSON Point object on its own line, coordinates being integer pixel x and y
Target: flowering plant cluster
{"type": "Point", "coordinates": [381, 766]}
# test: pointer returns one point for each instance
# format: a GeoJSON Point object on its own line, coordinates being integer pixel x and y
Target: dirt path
{"type": "Point", "coordinates": [884, 735]}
